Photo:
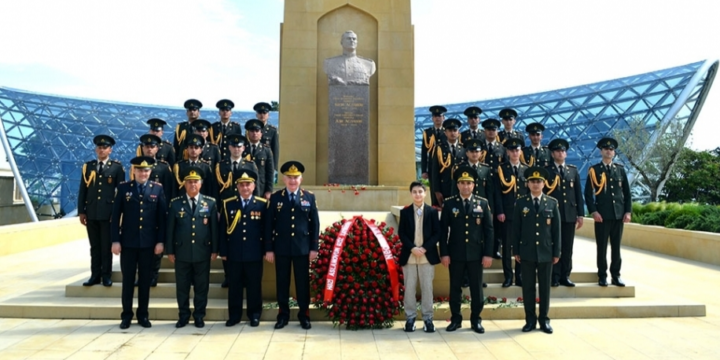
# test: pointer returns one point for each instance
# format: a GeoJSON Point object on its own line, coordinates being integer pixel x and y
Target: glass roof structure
{"type": "Point", "coordinates": [50, 136]}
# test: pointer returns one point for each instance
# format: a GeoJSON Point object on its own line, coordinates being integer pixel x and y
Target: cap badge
{"type": "Point", "coordinates": [293, 169]}
{"type": "Point", "coordinates": [144, 163]}
{"type": "Point", "coordinates": [536, 174]}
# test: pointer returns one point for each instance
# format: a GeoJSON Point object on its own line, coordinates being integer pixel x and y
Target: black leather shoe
{"type": "Point", "coordinates": [154, 280]}
{"type": "Point", "coordinates": [281, 323]}
{"type": "Point", "coordinates": [477, 327]}
{"type": "Point", "coordinates": [231, 322]}
{"type": "Point", "coordinates": [618, 282]}
{"type": "Point", "coordinates": [254, 322]}
{"type": "Point", "coordinates": [181, 323]}
{"type": "Point", "coordinates": [602, 282]}
{"type": "Point", "coordinates": [484, 284]}
{"type": "Point", "coordinates": [546, 329]}
{"type": "Point", "coordinates": [428, 326]}
{"type": "Point", "coordinates": [106, 281]}
{"type": "Point", "coordinates": [529, 327]}
{"type": "Point", "coordinates": [125, 323]}
{"type": "Point", "coordinates": [199, 323]}
{"type": "Point", "coordinates": [454, 326]}
{"type": "Point", "coordinates": [94, 280]}
{"type": "Point", "coordinates": [555, 283]}
{"type": "Point", "coordinates": [567, 282]}
{"type": "Point", "coordinates": [518, 282]}
{"type": "Point", "coordinates": [305, 324]}
{"type": "Point", "coordinates": [224, 284]}
{"type": "Point", "coordinates": [144, 322]}
{"type": "Point", "coordinates": [507, 283]}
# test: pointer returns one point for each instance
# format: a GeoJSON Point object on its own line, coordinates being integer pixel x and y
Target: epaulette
{"type": "Point", "coordinates": [155, 183]}
{"type": "Point", "coordinates": [230, 199]}
{"type": "Point", "coordinates": [113, 161]}
{"type": "Point", "coordinates": [167, 142]}
{"type": "Point", "coordinates": [308, 191]}
{"type": "Point", "coordinates": [567, 165]}
{"type": "Point", "coordinates": [269, 125]}
{"type": "Point", "coordinates": [479, 197]}
{"type": "Point", "coordinates": [617, 164]}
{"type": "Point", "coordinates": [209, 197]}
{"type": "Point", "coordinates": [176, 198]}
{"type": "Point", "coordinates": [260, 198]}
{"type": "Point", "coordinates": [450, 197]}
{"type": "Point", "coordinates": [122, 182]}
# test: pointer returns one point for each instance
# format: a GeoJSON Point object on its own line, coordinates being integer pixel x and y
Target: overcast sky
{"type": "Point", "coordinates": [164, 52]}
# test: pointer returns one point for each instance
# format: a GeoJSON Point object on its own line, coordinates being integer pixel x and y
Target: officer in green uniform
{"type": "Point", "coordinates": [431, 137]}
{"type": "Point", "coordinates": [183, 129]}
{"type": "Point", "coordinates": [466, 246]}
{"type": "Point", "coordinates": [95, 207]}
{"type": "Point", "coordinates": [191, 243]}
{"type": "Point", "coordinates": [536, 235]}
{"type": "Point", "coordinates": [262, 156]}
{"type": "Point", "coordinates": [473, 119]}
{"type": "Point", "coordinates": [219, 130]}
{"type": "Point", "coordinates": [508, 117]}
{"type": "Point", "coordinates": [446, 154]}
{"type": "Point", "coordinates": [564, 185]}
{"type": "Point", "coordinates": [270, 134]}
{"type": "Point", "coordinates": [607, 196]}
{"type": "Point", "coordinates": [210, 151]}
{"type": "Point", "coordinates": [194, 148]}
{"type": "Point", "coordinates": [494, 150]}
{"type": "Point", "coordinates": [536, 154]}
{"type": "Point", "coordinates": [165, 148]}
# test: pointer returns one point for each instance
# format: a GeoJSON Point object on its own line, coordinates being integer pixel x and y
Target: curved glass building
{"type": "Point", "coordinates": [50, 137]}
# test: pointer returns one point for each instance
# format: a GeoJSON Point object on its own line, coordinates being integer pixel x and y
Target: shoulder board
{"type": "Point", "coordinates": [123, 182]}
{"type": "Point", "coordinates": [167, 142]}
{"type": "Point", "coordinates": [177, 198]}
{"type": "Point", "coordinates": [208, 197]}
{"type": "Point", "coordinates": [617, 164]}
{"type": "Point", "coordinates": [451, 197]}
{"type": "Point", "coordinates": [260, 198]}
{"type": "Point", "coordinates": [204, 161]}
{"type": "Point", "coordinates": [232, 198]}
{"type": "Point", "coordinates": [308, 191]}
{"type": "Point", "coordinates": [162, 161]}
{"type": "Point", "coordinates": [113, 161]}
{"type": "Point", "coordinates": [478, 197]}
{"type": "Point", "coordinates": [544, 147]}
{"type": "Point", "coordinates": [567, 165]}
{"type": "Point", "coordinates": [155, 183]}
{"type": "Point", "coordinates": [234, 122]}
{"type": "Point", "coordinates": [270, 126]}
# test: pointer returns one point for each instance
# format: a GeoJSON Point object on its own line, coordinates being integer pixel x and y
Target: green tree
{"type": "Point", "coordinates": [275, 106]}
{"type": "Point", "coordinates": [695, 178]}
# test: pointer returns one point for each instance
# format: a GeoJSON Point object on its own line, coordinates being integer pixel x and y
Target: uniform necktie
{"type": "Point", "coordinates": [562, 173]}
{"type": "Point", "coordinates": [245, 203]}
{"type": "Point", "coordinates": [292, 199]}
{"type": "Point", "coordinates": [537, 153]}
{"type": "Point", "coordinates": [490, 148]}
{"type": "Point", "coordinates": [515, 171]}
{"type": "Point", "coordinates": [453, 150]}
{"type": "Point", "coordinates": [253, 150]}
{"type": "Point", "coordinates": [537, 205]}
{"type": "Point", "coordinates": [234, 165]}
{"type": "Point", "coordinates": [607, 167]}
{"type": "Point", "coordinates": [467, 206]}
{"type": "Point", "coordinates": [142, 189]}
{"type": "Point", "coordinates": [192, 163]}
{"type": "Point", "coordinates": [100, 169]}
{"type": "Point", "coordinates": [474, 167]}
{"type": "Point", "coordinates": [193, 205]}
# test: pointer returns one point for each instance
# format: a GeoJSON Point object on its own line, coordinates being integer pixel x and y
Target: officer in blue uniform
{"type": "Point", "coordinates": [243, 245]}
{"type": "Point", "coordinates": [142, 207]}
{"type": "Point", "coordinates": [294, 228]}
{"type": "Point", "coordinates": [95, 207]}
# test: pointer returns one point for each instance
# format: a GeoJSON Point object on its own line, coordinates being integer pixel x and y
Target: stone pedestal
{"type": "Point", "coordinates": [349, 133]}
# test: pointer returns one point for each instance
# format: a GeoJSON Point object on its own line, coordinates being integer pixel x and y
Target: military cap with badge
{"type": "Point", "coordinates": [225, 104]}
{"type": "Point", "coordinates": [242, 175]}
{"type": "Point", "coordinates": [508, 113]}
{"type": "Point", "coordinates": [193, 104]}
{"type": "Point", "coordinates": [142, 162]}
{"type": "Point", "coordinates": [491, 124]}
{"type": "Point", "coordinates": [473, 112]}
{"type": "Point", "coordinates": [195, 140]}
{"type": "Point", "coordinates": [292, 168]}
{"type": "Point", "coordinates": [150, 140]}
{"type": "Point", "coordinates": [607, 143]}
{"type": "Point", "coordinates": [514, 143]}
{"type": "Point", "coordinates": [156, 124]}
{"type": "Point", "coordinates": [236, 139]}
{"type": "Point", "coordinates": [437, 110]}
{"type": "Point", "coordinates": [452, 124]}
{"type": "Point", "coordinates": [253, 124]}
{"type": "Point", "coordinates": [201, 125]}
{"type": "Point", "coordinates": [559, 144]}
{"type": "Point", "coordinates": [262, 107]}
{"type": "Point", "coordinates": [193, 173]}
{"type": "Point", "coordinates": [473, 145]}
{"type": "Point", "coordinates": [535, 128]}
{"type": "Point", "coordinates": [465, 173]}
{"type": "Point", "coordinates": [104, 140]}
{"type": "Point", "coordinates": [536, 173]}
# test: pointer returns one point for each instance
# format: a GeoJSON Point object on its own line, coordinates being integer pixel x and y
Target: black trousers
{"type": "Point", "coordinates": [505, 231]}
{"type": "Point", "coordinates": [196, 274]}
{"type": "Point", "coordinates": [134, 260]}
{"type": "Point", "coordinates": [244, 275]}
{"type": "Point", "coordinates": [100, 253]}
{"type": "Point", "coordinates": [498, 226]}
{"type": "Point", "coordinates": [157, 264]}
{"type": "Point", "coordinates": [474, 271]}
{"type": "Point", "coordinates": [612, 229]}
{"type": "Point", "coordinates": [562, 269]}
{"type": "Point", "coordinates": [300, 266]}
{"type": "Point", "coordinates": [543, 270]}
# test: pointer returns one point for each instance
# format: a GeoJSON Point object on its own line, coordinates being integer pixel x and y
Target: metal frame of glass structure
{"type": "Point", "coordinates": [50, 137]}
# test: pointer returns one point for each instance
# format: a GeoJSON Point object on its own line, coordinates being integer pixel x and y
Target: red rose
{"type": "Point", "coordinates": [537, 300]}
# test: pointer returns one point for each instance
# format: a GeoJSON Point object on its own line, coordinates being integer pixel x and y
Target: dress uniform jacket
{"type": "Point", "coordinates": [271, 138]}
{"type": "Point", "coordinates": [469, 135]}
{"type": "Point", "coordinates": [566, 190]}
{"type": "Point", "coordinates": [209, 185]}
{"type": "Point", "coordinates": [541, 158]}
{"type": "Point", "coordinates": [442, 165]}
{"type": "Point", "coordinates": [162, 173]}
{"type": "Point", "coordinates": [165, 152]}
{"type": "Point", "coordinates": [242, 236]}
{"type": "Point", "coordinates": [505, 193]}
{"type": "Point", "coordinates": [431, 233]}
{"type": "Point", "coordinates": [294, 229]}
{"type": "Point", "coordinates": [182, 131]}
{"type": "Point", "coordinates": [97, 190]}
{"type": "Point", "coordinates": [223, 175]}
{"type": "Point", "coordinates": [611, 198]}
{"type": "Point", "coordinates": [470, 234]}
{"type": "Point", "coordinates": [537, 233]}
{"type": "Point", "coordinates": [143, 218]}
{"type": "Point", "coordinates": [211, 154]}
{"type": "Point", "coordinates": [484, 183]}
{"type": "Point", "coordinates": [493, 157]}
{"type": "Point", "coordinates": [503, 135]}
{"type": "Point", "coordinates": [192, 237]}
{"type": "Point", "coordinates": [431, 137]}
{"type": "Point", "coordinates": [263, 159]}
{"type": "Point", "coordinates": [218, 135]}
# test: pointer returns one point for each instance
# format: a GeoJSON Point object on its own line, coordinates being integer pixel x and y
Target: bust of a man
{"type": "Point", "coordinates": [348, 68]}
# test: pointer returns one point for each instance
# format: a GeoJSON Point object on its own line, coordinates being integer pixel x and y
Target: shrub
{"type": "Point", "coordinates": [656, 218]}
{"type": "Point", "coordinates": [680, 217]}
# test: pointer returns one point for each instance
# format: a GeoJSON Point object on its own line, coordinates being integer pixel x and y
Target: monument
{"type": "Point", "coordinates": [349, 113]}
{"type": "Point", "coordinates": [312, 73]}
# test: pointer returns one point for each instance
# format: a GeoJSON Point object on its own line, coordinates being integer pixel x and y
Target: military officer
{"type": "Point", "coordinates": [473, 119]}
{"type": "Point", "coordinates": [95, 207]}
{"type": "Point", "coordinates": [142, 207]}
{"type": "Point", "coordinates": [536, 236]}
{"type": "Point", "coordinates": [191, 242]}
{"type": "Point", "coordinates": [447, 153]}
{"type": "Point", "coordinates": [195, 143]}
{"type": "Point", "coordinates": [210, 152]}
{"type": "Point", "coordinates": [484, 179]}
{"type": "Point", "coordinates": [508, 117]}
{"type": "Point", "coordinates": [185, 128]}
{"type": "Point", "coordinates": [220, 129]}
{"type": "Point", "coordinates": [431, 137]}
{"type": "Point", "coordinates": [294, 228]}
{"type": "Point", "coordinates": [494, 150]}
{"type": "Point", "coordinates": [243, 245]}
{"type": "Point", "coordinates": [509, 186]}
{"type": "Point", "coordinates": [165, 148]}
{"type": "Point", "coordinates": [536, 154]}
{"type": "Point", "coordinates": [607, 196]}
{"type": "Point", "coordinates": [262, 156]}
{"type": "Point", "coordinates": [270, 134]}
{"type": "Point", "coordinates": [224, 175]}
{"type": "Point", "coordinates": [466, 246]}
{"type": "Point", "coordinates": [563, 184]}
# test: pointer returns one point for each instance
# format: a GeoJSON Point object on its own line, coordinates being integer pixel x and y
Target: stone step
{"type": "Point", "coordinates": [168, 290]}
{"type": "Point", "coordinates": [217, 264]}
{"type": "Point", "coordinates": [166, 309]}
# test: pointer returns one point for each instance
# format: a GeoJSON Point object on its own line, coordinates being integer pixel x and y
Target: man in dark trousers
{"type": "Point", "coordinates": [536, 236]}
{"type": "Point", "coordinates": [219, 130]}
{"type": "Point", "coordinates": [473, 122]}
{"type": "Point", "coordinates": [446, 154]}
{"type": "Point", "coordinates": [294, 228]}
{"type": "Point", "coordinates": [194, 148]}
{"type": "Point", "coordinates": [419, 231]}
{"type": "Point", "coordinates": [95, 207]}
{"type": "Point", "coordinates": [508, 117]}
{"type": "Point", "coordinates": [431, 137]}
{"type": "Point", "coordinates": [142, 207]}
{"type": "Point", "coordinates": [262, 156]}
{"type": "Point", "coordinates": [607, 195]}
{"type": "Point", "coordinates": [165, 148]}
{"type": "Point", "coordinates": [270, 134]}
{"type": "Point", "coordinates": [536, 154]}
{"type": "Point", "coordinates": [466, 246]}
{"type": "Point", "coordinates": [243, 245]}
{"type": "Point", "coordinates": [563, 184]}
{"type": "Point", "coordinates": [185, 128]}
{"type": "Point", "coordinates": [191, 243]}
